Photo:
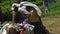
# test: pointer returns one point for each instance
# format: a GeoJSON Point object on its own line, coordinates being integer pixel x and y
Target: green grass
{"type": "Point", "coordinates": [52, 13]}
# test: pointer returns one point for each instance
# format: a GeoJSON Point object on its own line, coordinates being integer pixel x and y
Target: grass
{"type": "Point", "coordinates": [52, 13]}
{"type": "Point", "coordinates": [7, 22]}
{"type": "Point", "coordinates": [52, 24]}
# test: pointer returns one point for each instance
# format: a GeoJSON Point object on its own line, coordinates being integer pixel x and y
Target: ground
{"type": "Point", "coordinates": [52, 24]}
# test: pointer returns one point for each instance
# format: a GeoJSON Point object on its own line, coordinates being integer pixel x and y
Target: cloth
{"type": "Point", "coordinates": [1, 27]}
{"type": "Point", "coordinates": [20, 9]}
{"type": "Point", "coordinates": [25, 22]}
{"type": "Point", "coordinates": [32, 5]}
{"type": "Point", "coordinates": [15, 5]}
{"type": "Point", "coordinates": [23, 10]}
{"type": "Point", "coordinates": [23, 7]}
{"type": "Point", "coordinates": [39, 28]}
{"type": "Point", "coordinates": [27, 25]}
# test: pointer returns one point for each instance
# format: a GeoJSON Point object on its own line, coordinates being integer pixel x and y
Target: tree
{"type": "Point", "coordinates": [1, 18]}
{"type": "Point", "coordinates": [6, 9]}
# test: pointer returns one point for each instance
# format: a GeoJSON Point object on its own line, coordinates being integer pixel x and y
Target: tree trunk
{"type": "Point", "coordinates": [1, 18]}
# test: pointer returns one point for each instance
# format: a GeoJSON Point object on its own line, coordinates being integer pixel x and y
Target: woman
{"type": "Point", "coordinates": [35, 17]}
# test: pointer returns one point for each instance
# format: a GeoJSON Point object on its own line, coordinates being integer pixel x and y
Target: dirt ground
{"type": "Point", "coordinates": [52, 24]}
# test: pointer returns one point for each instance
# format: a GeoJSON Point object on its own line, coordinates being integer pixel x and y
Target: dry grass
{"type": "Point", "coordinates": [52, 24]}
